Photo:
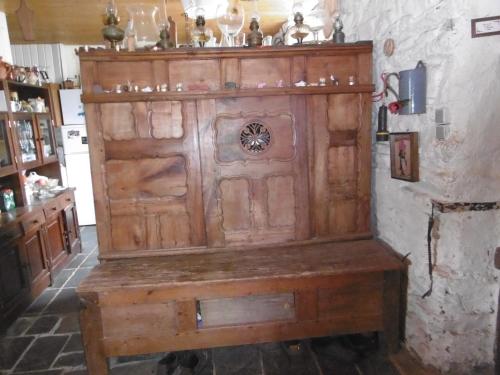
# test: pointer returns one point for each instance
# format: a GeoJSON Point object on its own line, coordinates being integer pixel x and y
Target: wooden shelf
{"type": "Point", "coordinates": [238, 93]}
{"type": "Point", "coordinates": [96, 55]}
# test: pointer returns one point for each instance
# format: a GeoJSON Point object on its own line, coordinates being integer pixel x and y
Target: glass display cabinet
{"type": "Point", "coordinates": [46, 138]}
{"type": "Point", "coordinates": [27, 141]}
{"type": "Point", "coordinates": [7, 161]}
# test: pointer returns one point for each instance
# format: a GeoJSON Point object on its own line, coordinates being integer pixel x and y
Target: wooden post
{"type": "Point", "coordinates": [92, 335]}
{"type": "Point", "coordinates": [392, 285]}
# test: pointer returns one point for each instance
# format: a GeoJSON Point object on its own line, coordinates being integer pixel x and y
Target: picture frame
{"type": "Point", "coordinates": [486, 26]}
{"type": "Point", "coordinates": [404, 156]}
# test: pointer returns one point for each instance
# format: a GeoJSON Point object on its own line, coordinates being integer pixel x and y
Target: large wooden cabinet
{"type": "Point", "coordinates": [37, 241]}
{"type": "Point", "coordinates": [218, 168]}
{"type": "Point", "coordinates": [232, 216]}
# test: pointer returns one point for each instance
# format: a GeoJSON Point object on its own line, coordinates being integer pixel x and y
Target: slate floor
{"type": "Point", "coordinates": [46, 340]}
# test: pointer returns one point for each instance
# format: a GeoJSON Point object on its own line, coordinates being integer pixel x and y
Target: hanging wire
{"type": "Point", "coordinates": [429, 252]}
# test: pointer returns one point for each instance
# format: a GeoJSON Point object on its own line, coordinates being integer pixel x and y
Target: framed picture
{"type": "Point", "coordinates": [404, 156]}
{"type": "Point", "coordinates": [485, 26]}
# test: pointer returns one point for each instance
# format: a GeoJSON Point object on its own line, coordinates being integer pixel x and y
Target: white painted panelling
{"type": "Point", "coordinates": [45, 56]}
{"type": "Point", "coordinates": [5, 50]}
{"type": "Point", "coordinates": [70, 61]}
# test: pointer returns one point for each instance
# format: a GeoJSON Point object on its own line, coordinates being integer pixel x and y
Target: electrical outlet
{"type": "Point", "coordinates": [442, 131]}
{"type": "Point", "coordinates": [441, 116]}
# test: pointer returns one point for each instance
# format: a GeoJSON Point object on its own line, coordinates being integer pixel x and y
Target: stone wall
{"type": "Point", "coordinates": [454, 328]}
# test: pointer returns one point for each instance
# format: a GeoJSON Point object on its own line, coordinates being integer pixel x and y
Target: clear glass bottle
{"type": "Point", "coordinates": [144, 20]}
{"type": "Point", "coordinates": [230, 19]}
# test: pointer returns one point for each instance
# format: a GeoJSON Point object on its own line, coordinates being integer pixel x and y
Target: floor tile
{"type": "Point", "coordinates": [61, 278]}
{"type": "Point", "coordinates": [11, 350]}
{"type": "Point", "coordinates": [279, 359]}
{"type": "Point", "coordinates": [75, 262]}
{"type": "Point", "coordinates": [66, 302]}
{"type": "Point", "coordinates": [334, 358]}
{"type": "Point", "coordinates": [92, 261]}
{"type": "Point", "coordinates": [70, 360]}
{"type": "Point", "coordinates": [238, 360]}
{"type": "Point", "coordinates": [19, 326]}
{"type": "Point", "coordinates": [42, 353]}
{"type": "Point", "coordinates": [74, 344]}
{"type": "Point", "coordinates": [41, 302]}
{"type": "Point", "coordinates": [77, 278]}
{"type": "Point", "coordinates": [143, 368]}
{"type": "Point", "coordinates": [43, 324]}
{"type": "Point", "coordinates": [69, 323]}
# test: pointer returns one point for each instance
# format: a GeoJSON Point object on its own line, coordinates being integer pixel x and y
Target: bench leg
{"type": "Point", "coordinates": [392, 304]}
{"type": "Point", "coordinates": [91, 327]}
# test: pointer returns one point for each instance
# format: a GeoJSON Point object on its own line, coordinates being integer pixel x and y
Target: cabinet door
{"type": "Point", "coordinates": [26, 140]}
{"type": "Point", "coordinates": [57, 250]}
{"type": "Point", "coordinates": [13, 281]}
{"type": "Point", "coordinates": [72, 229]}
{"type": "Point", "coordinates": [38, 265]}
{"type": "Point", "coordinates": [7, 162]}
{"type": "Point", "coordinates": [47, 139]}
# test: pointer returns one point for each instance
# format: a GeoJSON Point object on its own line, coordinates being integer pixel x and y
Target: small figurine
{"type": "Point", "coordinates": [280, 83]}
{"type": "Point", "coordinates": [179, 87]}
{"type": "Point", "coordinates": [334, 80]}
{"type": "Point", "coordinates": [351, 80]}
{"type": "Point", "coordinates": [261, 85]}
{"type": "Point", "coordinates": [163, 87]}
{"type": "Point", "coordinates": [147, 89]}
{"type": "Point", "coordinates": [301, 84]}
{"type": "Point", "coordinates": [338, 35]}
{"type": "Point", "coordinates": [230, 85]}
{"type": "Point", "coordinates": [322, 81]}
{"type": "Point", "coordinates": [118, 89]}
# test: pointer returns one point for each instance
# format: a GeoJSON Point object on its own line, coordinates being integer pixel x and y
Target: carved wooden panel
{"type": "Point", "coordinates": [256, 187]}
{"type": "Point", "coordinates": [112, 73]}
{"type": "Point", "coordinates": [166, 120]}
{"type": "Point", "coordinates": [343, 112]}
{"type": "Point", "coordinates": [146, 178]}
{"type": "Point", "coordinates": [195, 74]}
{"type": "Point", "coordinates": [323, 66]}
{"type": "Point", "coordinates": [127, 121]}
{"type": "Point", "coordinates": [268, 71]}
{"type": "Point", "coordinates": [260, 137]}
{"type": "Point", "coordinates": [341, 164]}
{"type": "Point", "coordinates": [151, 176]}
{"type": "Point", "coordinates": [118, 121]}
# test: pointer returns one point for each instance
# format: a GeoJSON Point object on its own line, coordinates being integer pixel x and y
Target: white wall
{"type": "Point", "coordinates": [46, 56]}
{"type": "Point", "coordinates": [453, 329]}
{"type": "Point", "coordinates": [5, 51]}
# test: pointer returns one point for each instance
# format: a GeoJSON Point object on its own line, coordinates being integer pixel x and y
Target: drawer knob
{"type": "Point", "coordinates": [54, 208]}
{"type": "Point", "coordinates": [286, 306]}
{"type": "Point", "coordinates": [35, 221]}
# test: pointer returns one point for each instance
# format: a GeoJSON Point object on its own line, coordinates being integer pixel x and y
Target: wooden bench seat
{"type": "Point", "coordinates": [231, 297]}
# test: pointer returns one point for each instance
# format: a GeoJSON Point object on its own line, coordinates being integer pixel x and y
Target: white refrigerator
{"type": "Point", "coordinates": [76, 154]}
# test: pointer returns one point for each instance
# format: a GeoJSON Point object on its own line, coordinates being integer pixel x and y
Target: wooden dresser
{"type": "Point", "coordinates": [229, 216]}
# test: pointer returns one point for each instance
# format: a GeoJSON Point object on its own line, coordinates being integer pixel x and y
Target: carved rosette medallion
{"type": "Point", "coordinates": [255, 138]}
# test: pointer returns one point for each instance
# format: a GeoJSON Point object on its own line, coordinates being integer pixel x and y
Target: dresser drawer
{"type": "Point", "coordinates": [66, 199]}
{"type": "Point", "coordinates": [33, 222]}
{"type": "Point", "coordinates": [52, 209]}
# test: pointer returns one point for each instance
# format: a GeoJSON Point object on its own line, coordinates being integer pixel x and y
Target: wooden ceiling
{"type": "Point", "coordinates": [79, 21]}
